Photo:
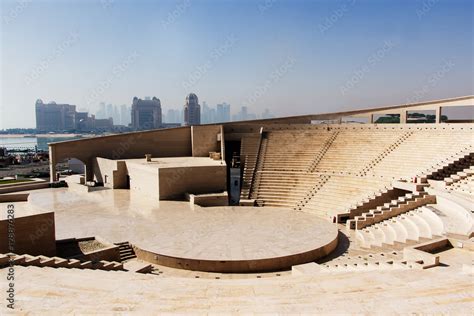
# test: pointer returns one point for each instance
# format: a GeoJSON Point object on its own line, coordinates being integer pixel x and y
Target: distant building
{"type": "Point", "coordinates": [174, 116]}
{"type": "Point", "coordinates": [146, 114]}
{"type": "Point", "coordinates": [244, 115]}
{"type": "Point", "coordinates": [223, 113]}
{"type": "Point", "coordinates": [192, 110]}
{"type": "Point", "coordinates": [104, 124]}
{"type": "Point", "coordinates": [208, 115]}
{"type": "Point", "coordinates": [51, 117]}
{"type": "Point", "coordinates": [125, 115]}
{"type": "Point", "coordinates": [84, 122]}
{"type": "Point", "coordinates": [267, 114]}
{"type": "Point", "coordinates": [101, 113]}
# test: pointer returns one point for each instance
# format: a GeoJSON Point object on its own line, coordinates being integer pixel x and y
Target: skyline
{"type": "Point", "coordinates": [290, 57]}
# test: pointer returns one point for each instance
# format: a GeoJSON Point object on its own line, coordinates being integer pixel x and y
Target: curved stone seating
{"type": "Point", "coordinates": [416, 225]}
{"type": "Point", "coordinates": [362, 161]}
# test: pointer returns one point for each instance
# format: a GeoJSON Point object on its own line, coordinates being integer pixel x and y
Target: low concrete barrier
{"type": "Point", "coordinates": [206, 200]}
{"type": "Point", "coordinates": [24, 187]}
{"type": "Point", "coordinates": [19, 197]}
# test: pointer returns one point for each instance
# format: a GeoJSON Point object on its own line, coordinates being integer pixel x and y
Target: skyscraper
{"type": "Point", "coordinates": [174, 116]}
{"type": "Point", "coordinates": [124, 115]}
{"type": "Point", "coordinates": [223, 113]}
{"type": "Point", "coordinates": [146, 114]}
{"type": "Point", "coordinates": [192, 110]}
{"type": "Point", "coordinates": [101, 113]}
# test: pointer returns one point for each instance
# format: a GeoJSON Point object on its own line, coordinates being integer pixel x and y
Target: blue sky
{"type": "Point", "coordinates": [292, 57]}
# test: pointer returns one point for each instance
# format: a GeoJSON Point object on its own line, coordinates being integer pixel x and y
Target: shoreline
{"type": "Point", "coordinates": [46, 135]}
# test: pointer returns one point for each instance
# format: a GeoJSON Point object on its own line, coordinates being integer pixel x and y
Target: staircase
{"type": "Point", "coordinates": [386, 152]}
{"type": "Point", "coordinates": [56, 262]}
{"type": "Point", "coordinates": [378, 198]}
{"type": "Point", "coordinates": [301, 204]}
{"type": "Point", "coordinates": [259, 167]}
{"type": "Point", "coordinates": [461, 164]}
{"type": "Point", "coordinates": [322, 152]}
{"type": "Point", "coordinates": [396, 207]}
{"type": "Point", "coordinates": [249, 150]}
{"type": "Point", "coordinates": [126, 251]}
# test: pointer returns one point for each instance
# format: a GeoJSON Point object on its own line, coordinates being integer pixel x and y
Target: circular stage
{"type": "Point", "coordinates": [239, 239]}
{"type": "Point", "coordinates": [212, 239]}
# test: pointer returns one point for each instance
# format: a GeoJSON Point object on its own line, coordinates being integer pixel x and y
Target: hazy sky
{"type": "Point", "coordinates": [292, 57]}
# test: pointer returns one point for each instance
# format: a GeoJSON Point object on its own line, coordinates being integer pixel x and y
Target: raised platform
{"type": "Point", "coordinates": [239, 239]}
{"type": "Point", "coordinates": [176, 162]}
{"type": "Point", "coordinates": [172, 178]}
{"type": "Point", "coordinates": [214, 239]}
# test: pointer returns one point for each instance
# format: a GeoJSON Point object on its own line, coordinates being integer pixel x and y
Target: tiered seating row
{"type": "Point", "coordinates": [340, 192]}
{"type": "Point", "coordinates": [285, 188]}
{"type": "Point", "coordinates": [464, 185]}
{"type": "Point", "coordinates": [293, 150]}
{"type": "Point", "coordinates": [352, 150]}
{"type": "Point", "coordinates": [423, 151]}
{"type": "Point", "coordinates": [371, 262]}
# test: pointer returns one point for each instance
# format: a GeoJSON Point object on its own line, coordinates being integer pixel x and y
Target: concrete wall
{"type": "Point", "coordinates": [204, 140]}
{"type": "Point", "coordinates": [112, 173]}
{"type": "Point", "coordinates": [144, 180]}
{"type": "Point", "coordinates": [175, 142]}
{"type": "Point", "coordinates": [176, 182]}
{"type": "Point", "coordinates": [34, 235]}
{"type": "Point", "coordinates": [19, 197]}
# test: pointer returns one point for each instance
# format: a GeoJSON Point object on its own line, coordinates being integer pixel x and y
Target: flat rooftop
{"type": "Point", "coordinates": [176, 162]}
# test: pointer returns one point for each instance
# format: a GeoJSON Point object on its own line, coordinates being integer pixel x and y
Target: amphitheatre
{"type": "Point", "coordinates": [362, 211]}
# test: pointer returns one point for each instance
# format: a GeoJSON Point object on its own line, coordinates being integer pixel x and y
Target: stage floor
{"type": "Point", "coordinates": [218, 239]}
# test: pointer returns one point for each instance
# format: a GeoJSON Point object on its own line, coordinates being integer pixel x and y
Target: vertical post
{"type": "Point", "coordinates": [403, 117]}
{"type": "Point", "coordinates": [88, 172]}
{"type": "Point", "coordinates": [192, 140]}
{"type": "Point", "coordinates": [371, 118]}
{"type": "Point", "coordinates": [52, 164]}
{"type": "Point", "coordinates": [438, 114]}
{"type": "Point", "coordinates": [222, 144]}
